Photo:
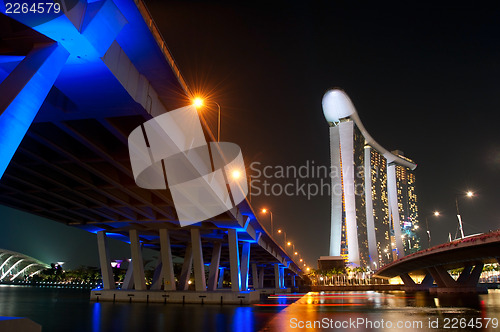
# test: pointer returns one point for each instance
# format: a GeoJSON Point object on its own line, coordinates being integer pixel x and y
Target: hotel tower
{"type": "Point", "coordinates": [374, 212]}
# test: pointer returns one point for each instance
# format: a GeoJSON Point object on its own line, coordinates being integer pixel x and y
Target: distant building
{"type": "Point", "coordinates": [374, 205]}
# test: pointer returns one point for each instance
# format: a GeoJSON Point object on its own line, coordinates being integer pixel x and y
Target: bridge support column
{"type": "Point", "coordinates": [277, 279]}
{"type": "Point", "coordinates": [261, 278]}
{"type": "Point", "coordinates": [466, 282]}
{"type": "Point", "coordinates": [128, 281]}
{"type": "Point", "coordinates": [255, 276]}
{"type": "Point", "coordinates": [234, 260]}
{"type": "Point", "coordinates": [428, 281]}
{"type": "Point", "coordinates": [199, 265]}
{"type": "Point", "coordinates": [23, 93]}
{"type": "Point", "coordinates": [186, 268]}
{"type": "Point", "coordinates": [245, 262]}
{"type": "Point", "coordinates": [214, 266]}
{"type": "Point", "coordinates": [157, 275]}
{"type": "Point", "coordinates": [464, 276]}
{"type": "Point", "coordinates": [220, 283]}
{"type": "Point", "coordinates": [475, 275]}
{"type": "Point", "coordinates": [108, 281]}
{"type": "Point", "coordinates": [167, 271]}
{"type": "Point", "coordinates": [407, 280]}
{"type": "Point", "coordinates": [137, 262]}
{"type": "Point", "coordinates": [443, 279]}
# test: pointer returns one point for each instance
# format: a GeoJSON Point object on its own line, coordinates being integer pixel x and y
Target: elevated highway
{"type": "Point", "coordinates": [73, 85]}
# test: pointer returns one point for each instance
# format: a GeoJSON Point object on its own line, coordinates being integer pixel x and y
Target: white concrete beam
{"type": "Point", "coordinates": [186, 268]}
{"type": "Point", "coordinates": [108, 281]}
{"type": "Point", "coordinates": [255, 276]}
{"type": "Point", "coordinates": [277, 276]}
{"type": "Point", "coordinates": [245, 262]}
{"type": "Point", "coordinates": [213, 271]}
{"type": "Point", "coordinates": [137, 262]}
{"type": "Point", "coordinates": [199, 265]}
{"type": "Point", "coordinates": [234, 260]}
{"type": "Point", "coordinates": [167, 272]}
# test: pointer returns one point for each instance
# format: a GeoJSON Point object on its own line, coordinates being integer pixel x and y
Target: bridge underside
{"type": "Point", "coordinates": [66, 110]}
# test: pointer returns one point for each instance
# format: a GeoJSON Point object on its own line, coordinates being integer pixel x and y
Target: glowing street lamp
{"type": "Point", "coordinates": [284, 234]}
{"type": "Point", "coordinates": [295, 253]}
{"type": "Point", "coordinates": [271, 214]}
{"type": "Point", "coordinates": [469, 194]}
{"type": "Point", "coordinates": [236, 174]}
{"type": "Point", "coordinates": [436, 214]}
{"type": "Point", "coordinates": [199, 102]}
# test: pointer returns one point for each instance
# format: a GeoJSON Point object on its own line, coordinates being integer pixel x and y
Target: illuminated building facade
{"type": "Point", "coordinates": [374, 205]}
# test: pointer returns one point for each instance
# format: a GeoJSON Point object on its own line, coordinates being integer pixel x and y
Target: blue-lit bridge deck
{"type": "Point", "coordinates": [72, 89]}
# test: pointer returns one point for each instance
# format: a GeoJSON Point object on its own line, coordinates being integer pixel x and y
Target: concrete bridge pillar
{"type": "Point", "coordinates": [128, 281]}
{"type": "Point", "coordinates": [186, 268]}
{"type": "Point", "coordinates": [23, 93]}
{"type": "Point", "coordinates": [214, 267]}
{"type": "Point", "coordinates": [245, 262]}
{"type": "Point", "coordinates": [261, 278]}
{"type": "Point", "coordinates": [220, 283]}
{"type": "Point", "coordinates": [234, 260]}
{"type": "Point", "coordinates": [137, 262]}
{"type": "Point", "coordinates": [199, 265]}
{"type": "Point", "coordinates": [167, 271]}
{"type": "Point", "coordinates": [441, 276]}
{"type": "Point", "coordinates": [108, 281]}
{"type": "Point", "coordinates": [255, 276]}
{"type": "Point", "coordinates": [277, 276]}
{"type": "Point", "coordinates": [467, 280]}
{"type": "Point", "coordinates": [282, 277]}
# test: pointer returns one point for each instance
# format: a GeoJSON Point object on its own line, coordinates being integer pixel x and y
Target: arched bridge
{"type": "Point", "coordinates": [470, 253]}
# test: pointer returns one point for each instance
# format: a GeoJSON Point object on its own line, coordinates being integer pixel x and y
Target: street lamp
{"type": "Point", "coordinates": [468, 194]}
{"type": "Point", "coordinates": [271, 214]}
{"type": "Point", "coordinates": [199, 102]}
{"type": "Point", "coordinates": [436, 214]}
{"type": "Point", "coordinates": [284, 234]}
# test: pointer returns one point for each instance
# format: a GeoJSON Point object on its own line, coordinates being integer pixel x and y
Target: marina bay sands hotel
{"type": "Point", "coordinates": [374, 216]}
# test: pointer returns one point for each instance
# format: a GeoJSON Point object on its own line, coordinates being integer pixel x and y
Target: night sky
{"type": "Point", "coordinates": [424, 80]}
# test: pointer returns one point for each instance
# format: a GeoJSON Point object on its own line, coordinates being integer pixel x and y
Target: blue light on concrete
{"type": "Point", "coordinates": [23, 92]}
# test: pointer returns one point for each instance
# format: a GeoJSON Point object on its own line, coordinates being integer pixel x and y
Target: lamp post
{"type": "Point", "coordinates": [468, 194]}
{"type": "Point", "coordinates": [284, 235]}
{"type": "Point", "coordinates": [436, 214]}
{"type": "Point", "coordinates": [271, 214]}
{"type": "Point", "coordinates": [199, 102]}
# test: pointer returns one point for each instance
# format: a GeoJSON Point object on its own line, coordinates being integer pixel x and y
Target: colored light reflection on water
{"type": "Point", "coordinates": [70, 310]}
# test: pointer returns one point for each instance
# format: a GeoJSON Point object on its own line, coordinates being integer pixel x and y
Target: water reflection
{"type": "Point", "coordinates": [69, 310]}
{"type": "Point", "coordinates": [414, 311]}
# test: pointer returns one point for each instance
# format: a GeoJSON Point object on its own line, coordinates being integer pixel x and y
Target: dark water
{"type": "Point", "coordinates": [70, 310]}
